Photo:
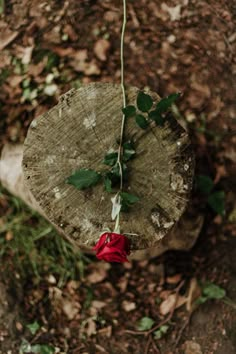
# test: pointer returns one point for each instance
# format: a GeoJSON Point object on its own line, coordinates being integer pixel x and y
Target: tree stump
{"type": "Point", "coordinates": [76, 134]}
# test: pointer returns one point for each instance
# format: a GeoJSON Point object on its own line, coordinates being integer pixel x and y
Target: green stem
{"type": "Point", "coordinates": [119, 159]}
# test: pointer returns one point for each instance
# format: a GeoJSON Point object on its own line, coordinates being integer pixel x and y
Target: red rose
{"type": "Point", "coordinates": [112, 247]}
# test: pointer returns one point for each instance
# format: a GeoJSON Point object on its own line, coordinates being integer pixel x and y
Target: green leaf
{"type": "Point", "coordinates": [213, 291]}
{"type": "Point", "coordinates": [129, 111]}
{"type": "Point", "coordinates": [201, 300]}
{"type": "Point", "coordinates": [144, 102]}
{"type": "Point", "coordinates": [204, 184]}
{"type": "Point", "coordinates": [84, 178]}
{"type": "Point", "coordinates": [141, 121]}
{"type": "Point", "coordinates": [42, 349]}
{"type": "Point", "coordinates": [158, 334]}
{"type": "Point", "coordinates": [217, 202]}
{"type": "Point", "coordinates": [145, 324]}
{"type": "Point", "coordinates": [128, 151]}
{"type": "Point", "coordinates": [129, 198]}
{"type": "Point", "coordinates": [110, 158]}
{"type": "Point", "coordinates": [157, 117]}
{"type": "Point", "coordinates": [116, 170]}
{"type": "Point", "coordinates": [33, 327]}
{"type": "Point", "coordinates": [164, 104]}
{"type": "Point", "coordinates": [25, 346]}
{"type": "Point", "coordinates": [108, 184]}
{"type": "Point", "coordinates": [161, 331]}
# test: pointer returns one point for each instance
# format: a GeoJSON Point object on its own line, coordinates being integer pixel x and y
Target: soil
{"type": "Point", "coordinates": [188, 46]}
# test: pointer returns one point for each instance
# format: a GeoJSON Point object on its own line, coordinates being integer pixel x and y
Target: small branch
{"type": "Point", "coordinates": [182, 329]}
{"type": "Point", "coordinates": [157, 350]}
{"type": "Point", "coordinates": [166, 320]}
{"type": "Point", "coordinates": [149, 341]}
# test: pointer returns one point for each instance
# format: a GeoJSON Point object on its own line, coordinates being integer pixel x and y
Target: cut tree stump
{"type": "Point", "coordinates": [77, 133]}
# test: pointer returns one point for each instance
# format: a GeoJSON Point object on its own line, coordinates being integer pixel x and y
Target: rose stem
{"type": "Point", "coordinates": [119, 159]}
{"type": "Point", "coordinates": [120, 149]}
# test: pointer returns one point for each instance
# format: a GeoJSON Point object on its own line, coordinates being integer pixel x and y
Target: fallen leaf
{"type": "Point", "coordinates": [9, 236]}
{"type": "Point", "coordinates": [202, 88]}
{"type": "Point", "coordinates": [191, 347]}
{"type": "Point", "coordinates": [193, 293]}
{"type": "Point", "coordinates": [128, 305]}
{"type": "Point", "coordinates": [107, 331]}
{"type": "Point", "coordinates": [27, 55]}
{"type": "Point", "coordinates": [91, 327]}
{"type": "Point", "coordinates": [174, 279]}
{"type": "Point", "coordinates": [15, 80]}
{"type": "Point", "coordinates": [220, 172]}
{"type": "Point", "coordinates": [174, 12]}
{"type": "Point", "coordinates": [51, 279]}
{"type": "Point", "coordinates": [101, 48]}
{"type": "Point", "coordinates": [36, 69]}
{"type": "Point", "coordinates": [170, 303]}
{"type": "Point", "coordinates": [7, 36]}
{"type": "Point", "coordinates": [70, 308]}
{"type": "Point", "coordinates": [111, 16]}
{"type": "Point", "coordinates": [68, 29]}
{"type": "Point", "coordinates": [122, 284]}
{"type": "Point", "coordinates": [98, 305]}
{"type": "Point", "coordinates": [91, 69]}
{"type": "Point", "coordinates": [99, 273]}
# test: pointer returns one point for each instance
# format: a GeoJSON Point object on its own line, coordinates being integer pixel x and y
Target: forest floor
{"type": "Point", "coordinates": [59, 301]}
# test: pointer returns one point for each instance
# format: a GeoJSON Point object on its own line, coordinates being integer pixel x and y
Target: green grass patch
{"type": "Point", "coordinates": [30, 248]}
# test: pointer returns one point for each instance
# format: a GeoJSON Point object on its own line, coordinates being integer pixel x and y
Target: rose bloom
{"type": "Point", "coordinates": [112, 247]}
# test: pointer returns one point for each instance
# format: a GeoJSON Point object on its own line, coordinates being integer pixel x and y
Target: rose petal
{"type": "Point", "coordinates": [112, 247]}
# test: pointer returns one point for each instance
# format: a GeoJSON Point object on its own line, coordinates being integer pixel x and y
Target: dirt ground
{"type": "Point", "coordinates": [170, 46]}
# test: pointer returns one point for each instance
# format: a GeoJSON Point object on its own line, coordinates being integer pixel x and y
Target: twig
{"type": "Point", "coordinates": [157, 350]}
{"type": "Point", "coordinates": [182, 329]}
{"type": "Point", "coordinates": [147, 345]}
{"type": "Point", "coordinates": [166, 320]}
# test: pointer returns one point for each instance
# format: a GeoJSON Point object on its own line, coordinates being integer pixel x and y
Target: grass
{"type": "Point", "coordinates": [30, 248]}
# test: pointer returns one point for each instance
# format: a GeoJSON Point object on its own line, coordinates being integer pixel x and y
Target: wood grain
{"type": "Point", "coordinates": [76, 134]}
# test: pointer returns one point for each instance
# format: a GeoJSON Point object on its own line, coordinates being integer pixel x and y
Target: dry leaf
{"type": "Point", "coordinates": [193, 293]}
{"type": "Point", "coordinates": [98, 305]}
{"type": "Point", "coordinates": [27, 55]}
{"type": "Point", "coordinates": [51, 279]}
{"type": "Point", "coordinates": [7, 36]}
{"type": "Point", "coordinates": [101, 48]}
{"type": "Point", "coordinates": [191, 347]}
{"type": "Point", "coordinates": [91, 327]}
{"type": "Point", "coordinates": [170, 303]}
{"type": "Point", "coordinates": [164, 294]}
{"type": "Point", "coordinates": [91, 68]}
{"type": "Point", "coordinates": [107, 331]}
{"type": "Point", "coordinates": [70, 308]}
{"type": "Point", "coordinates": [15, 80]}
{"type": "Point", "coordinates": [174, 12]}
{"type": "Point", "coordinates": [68, 29]}
{"type": "Point", "coordinates": [36, 69]}
{"type": "Point", "coordinates": [9, 236]}
{"type": "Point", "coordinates": [111, 16]}
{"type": "Point", "coordinates": [99, 273]}
{"type": "Point", "coordinates": [122, 284]}
{"type": "Point", "coordinates": [174, 279]}
{"type": "Point", "coordinates": [128, 306]}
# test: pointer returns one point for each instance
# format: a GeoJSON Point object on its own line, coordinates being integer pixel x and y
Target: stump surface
{"type": "Point", "coordinates": [77, 133]}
